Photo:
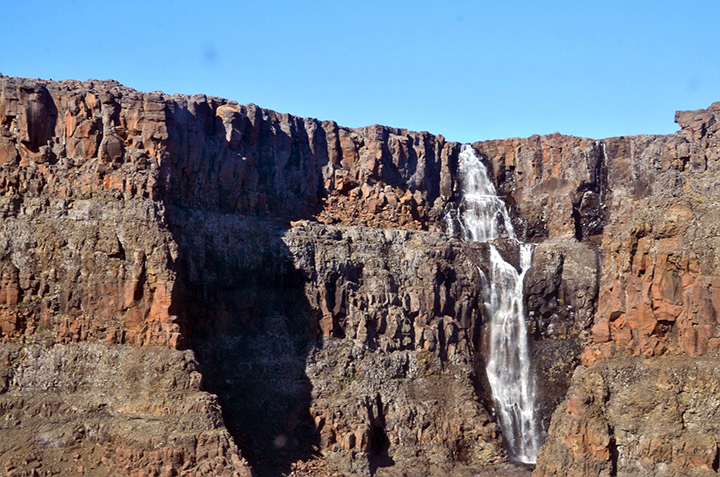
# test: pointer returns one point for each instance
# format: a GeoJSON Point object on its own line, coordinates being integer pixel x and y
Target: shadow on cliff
{"type": "Point", "coordinates": [239, 299]}
{"type": "Point", "coordinates": [245, 314]}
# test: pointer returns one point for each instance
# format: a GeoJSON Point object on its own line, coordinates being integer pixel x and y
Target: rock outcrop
{"type": "Point", "coordinates": [659, 288]}
{"type": "Point", "coordinates": [348, 341]}
{"type": "Point", "coordinates": [100, 409]}
{"type": "Point", "coordinates": [639, 417]}
{"type": "Point", "coordinates": [396, 382]}
{"type": "Point", "coordinates": [139, 218]}
{"type": "Point", "coordinates": [304, 266]}
{"type": "Point", "coordinates": [659, 297]}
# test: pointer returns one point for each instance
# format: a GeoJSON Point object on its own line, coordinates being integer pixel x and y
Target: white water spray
{"type": "Point", "coordinates": [482, 217]}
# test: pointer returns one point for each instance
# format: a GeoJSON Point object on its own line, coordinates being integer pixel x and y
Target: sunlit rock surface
{"type": "Point", "coordinates": [295, 273]}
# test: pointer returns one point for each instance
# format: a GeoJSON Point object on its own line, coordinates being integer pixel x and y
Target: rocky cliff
{"type": "Point", "coordinates": [659, 298]}
{"type": "Point", "coordinates": [294, 276]}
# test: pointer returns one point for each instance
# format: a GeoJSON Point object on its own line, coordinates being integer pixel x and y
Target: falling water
{"type": "Point", "coordinates": [482, 217]}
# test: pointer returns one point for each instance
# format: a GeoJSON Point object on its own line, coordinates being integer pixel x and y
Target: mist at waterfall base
{"type": "Point", "coordinates": [483, 217]}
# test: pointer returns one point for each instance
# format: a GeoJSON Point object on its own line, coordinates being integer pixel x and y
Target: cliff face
{"type": "Point", "coordinates": [660, 289]}
{"type": "Point", "coordinates": [142, 219]}
{"type": "Point", "coordinates": [637, 417]}
{"type": "Point", "coordinates": [304, 265]}
{"type": "Point", "coordinates": [81, 152]}
{"type": "Point", "coordinates": [658, 298]}
{"type": "Point", "coordinates": [98, 409]}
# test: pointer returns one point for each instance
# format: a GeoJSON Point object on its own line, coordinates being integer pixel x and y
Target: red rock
{"type": "Point", "coordinates": [79, 156]}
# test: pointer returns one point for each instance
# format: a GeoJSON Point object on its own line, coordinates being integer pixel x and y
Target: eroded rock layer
{"type": "Point", "coordinates": [351, 341]}
{"type": "Point", "coordinates": [99, 409]}
{"type": "Point", "coordinates": [638, 417]}
{"type": "Point", "coordinates": [305, 266]}
{"type": "Point", "coordinates": [659, 296]}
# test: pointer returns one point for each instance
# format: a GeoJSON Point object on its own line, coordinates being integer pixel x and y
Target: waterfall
{"type": "Point", "coordinates": [482, 216]}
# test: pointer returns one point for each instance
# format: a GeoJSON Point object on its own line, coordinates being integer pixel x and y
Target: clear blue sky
{"type": "Point", "coordinates": [469, 70]}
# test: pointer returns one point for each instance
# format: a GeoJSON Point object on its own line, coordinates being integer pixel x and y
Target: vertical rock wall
{"type": "Point", "coordinates": [109, 161]}
{"type": "Point", "coordinates": [659, 289]}
{"type": "Point", "coordinates": [256, 239]}
{"type": "Point", "coordinates": [658, 299]}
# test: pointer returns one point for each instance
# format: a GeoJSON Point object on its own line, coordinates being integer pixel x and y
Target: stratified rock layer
{"type": "Point", "coordinates": [98, 409]}
{"type": "Point", "coordinates": [109, 160]}
{"type": "Point", "coordinates": [398, 383]}
{"type": "Point", "coordinates": [303, 263]}
{"type": "Point", "coordinates": [352, 340]}
{"type": "Point", "coordinates": [129, 221]}
{"type": "Point", "coordinates": [660, 290]}
{"type": "Point", "coordinates": [659, 296]}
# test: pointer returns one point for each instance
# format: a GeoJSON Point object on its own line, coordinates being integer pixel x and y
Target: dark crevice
{"type": "Point", "coordinates": [614, 455]}
{"type": "Point", "coordinates": [120, 253]}
{"type": "Point", "coordinates": [589, 210]}
{"type": "Point", "coordinates": [577, 219]}
{"type": "Point", "coordinates": [140, 286]}
{"type": "Point", "coordinates": [379, 444]}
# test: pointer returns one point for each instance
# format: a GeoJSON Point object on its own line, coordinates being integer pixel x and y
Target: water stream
{"type": "Point", "coordinates": [482, 216]}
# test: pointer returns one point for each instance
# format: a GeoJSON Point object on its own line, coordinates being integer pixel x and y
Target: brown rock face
{"type": "Point", "coordinates": [659, 287]}
{"type": "Point", "coordinates": [555, 183]}
{"type": "Point", "coordinates": [85, 253]}
{"type": "Point", "coordinates": [561, 291]}
{"type": "Point", "coordinates": [353, 340]}
{"type": "Point", "coordinates": [126, 223]}
{"type": "Point", "coordinates": [88, 270]}
{"type": "Point", "coordinates": [97, 156]}
{"type": "Point", "coordinates": [658, 296]}
{"type": "Point", "coordinates": [305, 266]}
{"type": "Point", "coordinates": [637, 417]}
{"type": "Point", "coordinates": [98, 409]}
{"type": "Point", "coordinates": [402, 375]}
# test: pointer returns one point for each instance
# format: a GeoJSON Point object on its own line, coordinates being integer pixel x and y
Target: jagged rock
{"type": "Point", "coordinates": [88, 270]}
{"type": "Point", "coordinates": [639, 417]}
{"type": "Point", "coordinates": [561, 290]}
{"type": "Point", "coordinates": [354, 340]}
{"type": "Point", "coordinates": [99, 409]}
{"type": "Point", "coordinates": [659, 290]}
{"type": "Point", "coordinates": [405, 307]}
{"type": "Point", "coordinates": [555, 183]}
{"type": "Point", "coordinates": [137, 219]}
